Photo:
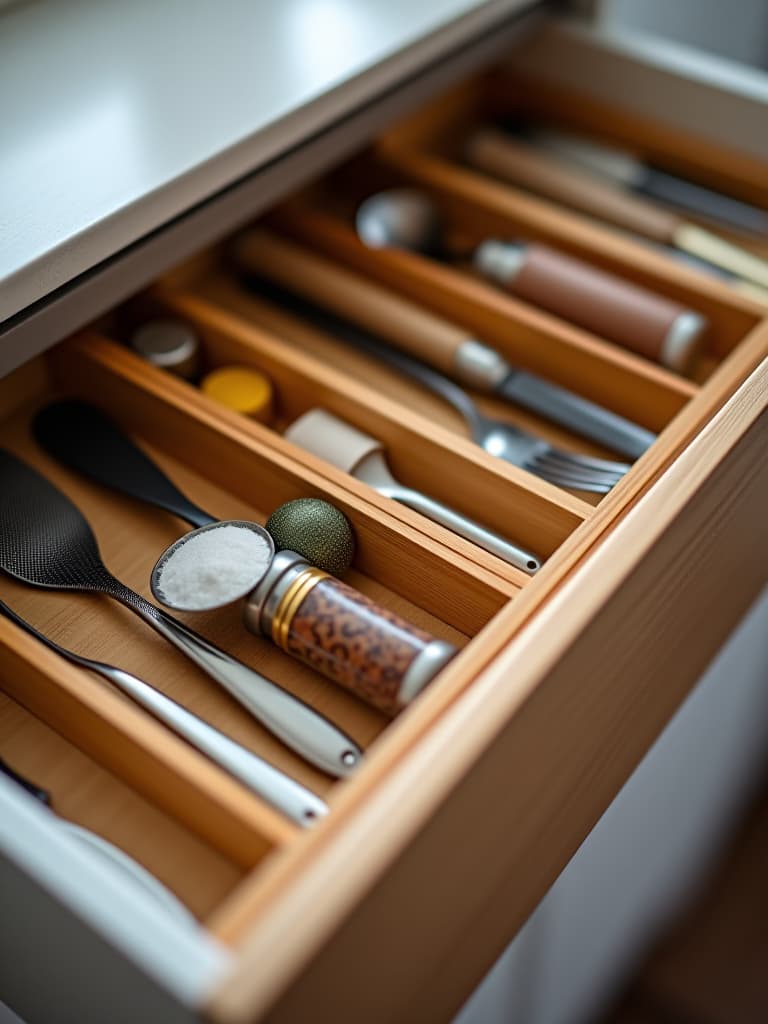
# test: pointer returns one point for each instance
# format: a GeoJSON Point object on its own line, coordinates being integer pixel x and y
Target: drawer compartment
{"type": "Point", "coordinates": [468, 803]}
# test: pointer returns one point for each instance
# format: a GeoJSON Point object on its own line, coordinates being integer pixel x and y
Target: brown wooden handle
{"type": "Point", "coordinates": [504, 157]}
{"type": "Point", "coordinates": [414, 330]}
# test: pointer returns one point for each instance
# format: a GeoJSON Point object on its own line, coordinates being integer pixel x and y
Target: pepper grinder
{"type": "Point", "coordinates": [343, 634]}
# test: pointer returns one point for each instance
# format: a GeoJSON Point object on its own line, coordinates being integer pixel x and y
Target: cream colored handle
{"type": "Point", "coordinates": [334, 288]}
{"type": "Point", "coordinates": [707, 246]}
{"type": "Point", "coordinates": [545, 175]}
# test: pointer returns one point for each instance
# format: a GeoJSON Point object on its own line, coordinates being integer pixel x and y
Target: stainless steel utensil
{"type": "Point", "coordinates": [278, 789]}
{"type": "Point", "coordinates": [429, 337]}
{"type": "Point", "coordinates": [363, 457]}
{"type": "Point", "coordinates": [566, 469]}
{"type": "Point", "coordinates": [45, 541]}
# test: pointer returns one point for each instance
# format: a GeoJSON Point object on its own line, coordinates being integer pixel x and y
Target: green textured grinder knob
{"type": "Point", "coordinates": [316, 530]}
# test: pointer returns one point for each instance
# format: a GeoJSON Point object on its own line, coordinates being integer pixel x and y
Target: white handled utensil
{"type": "Point", "coordinates": [363, 457]}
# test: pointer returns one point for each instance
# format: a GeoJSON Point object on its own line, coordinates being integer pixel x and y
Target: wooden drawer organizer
{"type": "Point", "coordinates": [490, 781]}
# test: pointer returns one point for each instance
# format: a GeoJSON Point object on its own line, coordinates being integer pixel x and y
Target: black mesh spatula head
{"type": "Point", "coordinates": [82, 437]}
{"type": "Point", "coordinates": [44, 538]}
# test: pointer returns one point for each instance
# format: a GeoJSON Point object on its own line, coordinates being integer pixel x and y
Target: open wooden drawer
{"type": "Point", "coordinates": [471, 801]}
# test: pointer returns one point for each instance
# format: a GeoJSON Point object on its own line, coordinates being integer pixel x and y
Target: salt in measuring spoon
{"type": "Point", "coordinates": [212, 566]}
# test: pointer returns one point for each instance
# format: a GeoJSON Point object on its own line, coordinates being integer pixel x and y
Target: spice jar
{"type": "Point", "coordinates": [343, 634]}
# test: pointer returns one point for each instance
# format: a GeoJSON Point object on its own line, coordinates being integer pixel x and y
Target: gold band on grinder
{"type": "Point", "coordinates": [291, 601]}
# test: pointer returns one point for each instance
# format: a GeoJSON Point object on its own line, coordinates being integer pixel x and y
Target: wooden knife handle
{"type": "Point", "coordinates": [504, 157]}
{"type": "Point", "coordinates": [341, 291]}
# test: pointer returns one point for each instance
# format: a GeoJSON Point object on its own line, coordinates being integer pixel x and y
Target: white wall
{"type": "Point", "coordinates": [737, 29]}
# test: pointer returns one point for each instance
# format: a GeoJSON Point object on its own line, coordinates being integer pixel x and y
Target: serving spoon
{"type": "Point", "coordinates": [46, 541]}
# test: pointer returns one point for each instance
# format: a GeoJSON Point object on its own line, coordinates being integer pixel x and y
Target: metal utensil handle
{"type": "Point", "coordinates": [278, 789]}
{"type": "Point", "coordinates": [431, 379]}
{"type": "Point", "coordinates": [36, 791]}
{"type": "Point", "coordinates": [577, 414]}
{"type": "Point", "coordinates": [298, 725]}
{"type": "Point", "coordinates": [484, 538]}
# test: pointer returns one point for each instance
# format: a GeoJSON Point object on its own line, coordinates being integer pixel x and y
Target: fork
{"type": "Point", "coordinates": [566, 469]}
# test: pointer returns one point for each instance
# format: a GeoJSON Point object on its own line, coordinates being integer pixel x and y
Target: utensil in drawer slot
{"type": "Point", "coordinates": [630, 174]}
{"type": "Point", "coordinates": [278, 789]}
{"type": "Point", "coordinates": [505, 441]}
{"type": "Point", "coordinates": [430, 338]}
{"type": "Point", "coordinates": [362, 456]}
{"type": "Point", "coordinates": [507, 158]}
{"type": "Point", "coordinates": [115, 859]}
{"type": "Point", "coordinates": [46, 541]}
{"type": "Point", "coordinates": [41, 795]}
{"type": "Point", "coordinates": [652, 325]}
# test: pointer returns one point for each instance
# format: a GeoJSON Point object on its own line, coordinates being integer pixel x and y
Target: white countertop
{"type": "Point", "coordinates": [116, 117]}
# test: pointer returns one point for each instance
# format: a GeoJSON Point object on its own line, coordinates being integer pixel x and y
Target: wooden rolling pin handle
{"type": "Point", "coordinates": [384, 313]}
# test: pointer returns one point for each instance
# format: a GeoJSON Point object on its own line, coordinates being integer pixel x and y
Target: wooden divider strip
{"type": "Point", "coordinates": [629, 385]}
{"type": "Point", "coordinates": [139, 750]}
{"type": "Point", "coordinates": [250, 460]}
{"type": "Point", "coordinates": [426, 457]}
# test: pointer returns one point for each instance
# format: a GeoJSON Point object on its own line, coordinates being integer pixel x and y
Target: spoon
{"type": "Point", "coordinates": [46, 541]}
{"type": "Point", "coordinates": [634, 317]}
{"type": "Point", "coordinates": [282, 792]}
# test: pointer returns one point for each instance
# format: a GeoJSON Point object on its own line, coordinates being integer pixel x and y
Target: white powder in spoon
{"type": "Point", "coordinates": [212, 567]}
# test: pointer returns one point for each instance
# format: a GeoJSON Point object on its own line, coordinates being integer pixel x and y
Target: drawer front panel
{"type": "Point", "coordinates": [565, 714]}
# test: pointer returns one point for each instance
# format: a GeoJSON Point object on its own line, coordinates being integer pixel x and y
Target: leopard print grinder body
{"type": "Point", "coordinates": [343, 634]}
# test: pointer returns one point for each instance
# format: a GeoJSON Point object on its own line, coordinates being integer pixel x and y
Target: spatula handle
{"type": "Point", "coordinates": [298, 725]}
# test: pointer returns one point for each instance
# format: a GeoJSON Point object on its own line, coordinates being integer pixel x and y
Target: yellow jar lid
{"type": "Point", "coordinates": [240, 388]}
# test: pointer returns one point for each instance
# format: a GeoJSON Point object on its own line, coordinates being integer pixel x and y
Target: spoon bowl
{"type": "Point", "coordinates": [208, 575]}
{"type": "Point", "coordinates": [401, 218]}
